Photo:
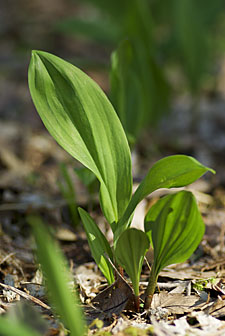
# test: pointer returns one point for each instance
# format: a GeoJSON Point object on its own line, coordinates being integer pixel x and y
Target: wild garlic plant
{"type": "Point", "coordinates": [82, 120]}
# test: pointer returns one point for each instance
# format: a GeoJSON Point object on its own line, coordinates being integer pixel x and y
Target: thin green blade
{"type": "Point", "coordinates": [57, 276]}
{"type": "Point", "coordinates": [82, 120]}
{"type": "Point", "coordinates": [99, 245]}
{"type": "Point", "coordinates": [130, 251]}
{"type": "Point", "coordinates": [170, 172]}
{"type": "Point", "coordinates": [175, 227]}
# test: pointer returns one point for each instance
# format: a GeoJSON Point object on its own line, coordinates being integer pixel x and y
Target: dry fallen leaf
{"type": "Point", "coordinates": [188, 273]}
{"type": "Point", "coordinates": [216, 309]}
{"type": "Point", "coordinates": [175, 303]}
{"type": "Point", "coordinates": [88, 279]}
{"type": "Point", "coordinates": [114, 298]}
{"type": "Point", "coordinates": [205, 325]}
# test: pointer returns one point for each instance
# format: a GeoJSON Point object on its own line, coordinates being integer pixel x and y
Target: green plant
{"type": "Point", "coordinates": [150, 38]}
{"type": "Point", "coordinates": [80, 117]}
{"type": "Point", "coordinates": [201, 284]}
{"type": "Point", "coordinates": [175, 227]}
{"type": "Point", "coordinates": [139, 90]}
{"type": "Point", "coordinates": [67, 189]}
{"type": "Point", "coordinates": [7, 328]}
{"type": "Point", "coordinates": [57, 276]}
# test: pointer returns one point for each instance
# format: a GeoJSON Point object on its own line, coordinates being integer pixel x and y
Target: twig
{"type": "Point", "coordinates": [7, 257]}
{"type": "Point", "coordinates": [116, 270]}
{"type": "Point", "coordinates": [25, 295]}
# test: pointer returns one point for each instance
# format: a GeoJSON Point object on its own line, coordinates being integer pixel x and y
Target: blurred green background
{"type": "Point", "coordinates": [160, 62]}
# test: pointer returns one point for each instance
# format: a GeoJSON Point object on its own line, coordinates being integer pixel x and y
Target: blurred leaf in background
{"type": "Point", "coordinates": [57, 278]}
{"type": "Point", "coordinates": [150, 37]}
{"type": "Point", "coordinates": [68, 192]}
{"type": "Point", "coordinates": [186, 33]}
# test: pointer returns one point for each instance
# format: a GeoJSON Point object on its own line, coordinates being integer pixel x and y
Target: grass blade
{"type": "Point", "coordinates": [57, 278]}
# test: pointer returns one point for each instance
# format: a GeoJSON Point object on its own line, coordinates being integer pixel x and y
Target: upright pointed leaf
{"type": "Point", "coordinates": [175, 227]}
{"type": "Point", "coordinates": [170, 172]}
{"type": "Point", "coordinates": [130, 251]}
{"type": "Point", "coordinates": [57, 277]}
{"type": "Point", "coordinates": [98, 244]}
{"type": "Point", "coordinates": [127, 92]}
{"type": "Point", "coordinates": [82, 120]}
{"type": "Point", "coordinates": [192, 39]}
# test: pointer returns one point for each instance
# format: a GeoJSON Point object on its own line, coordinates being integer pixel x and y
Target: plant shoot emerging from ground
{"type": "Point", "coordinates": [82, 120]}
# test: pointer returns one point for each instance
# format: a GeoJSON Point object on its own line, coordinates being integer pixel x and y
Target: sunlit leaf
{"type": "Point", "coordinates": [82, 120]}
{"type": "Point", "coordinates": [57, 277]}
{"type": "Point", "coordinates": [175, 227]}
{"type": "Point", "coordinates": [130, 251]}
{"type": "Point", "coordinates": [99, 246]}
{"type": "Point", "coordinates": [169, 172]}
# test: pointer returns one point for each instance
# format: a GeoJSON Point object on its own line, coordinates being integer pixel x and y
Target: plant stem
{"type": "Point", "coordinates": [150, 289]}
{"type": "Point", "coordinates": [121, 270]}
{"type": "Point", "coordinates": [137, 303]}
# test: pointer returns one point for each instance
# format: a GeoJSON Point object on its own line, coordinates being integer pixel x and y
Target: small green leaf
{"type": "Point", "coordinates": [98, 245]}
{"type": "Point", "coordinates": [58, 277]}
{"type": "Point", "coordinates": [130, 251]}
{"type": "Point", "coordinates": [82, 120]}
{"type": "Point", "coordinates": [175, 228]}
{"type": "Point", "coordinates": [170, 172]}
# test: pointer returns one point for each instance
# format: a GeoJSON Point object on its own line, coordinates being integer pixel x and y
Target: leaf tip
{"type": "Point", "coordinates": [212, 170]}
{"type": "Point", "coordinates": [80, 210]}
{"type": "Point", "coordinates": [34, 53]}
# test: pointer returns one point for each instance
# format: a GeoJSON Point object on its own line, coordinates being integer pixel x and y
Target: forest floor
{"type": "Point", "coordinates": [190, 297]}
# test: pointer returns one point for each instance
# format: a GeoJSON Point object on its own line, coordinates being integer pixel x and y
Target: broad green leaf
{"type": "Point", "coordinates": [82, 120]}
{"type": "Point", "coordinates": [170, 172]}
{"type": "Point", "coordinates": [7, 328]}
{"type": "Point", "coordinates": [130, 251]}
{"type": "Point", "coordinates": [175, 227]}
{"type": "Point", "coordinates": [98, 244]}
{"type": "Point", "coordinates": [57, 277]}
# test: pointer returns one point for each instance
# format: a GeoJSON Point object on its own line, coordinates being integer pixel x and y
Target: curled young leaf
{"type": "Point", "coordinates": [130, 251]}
